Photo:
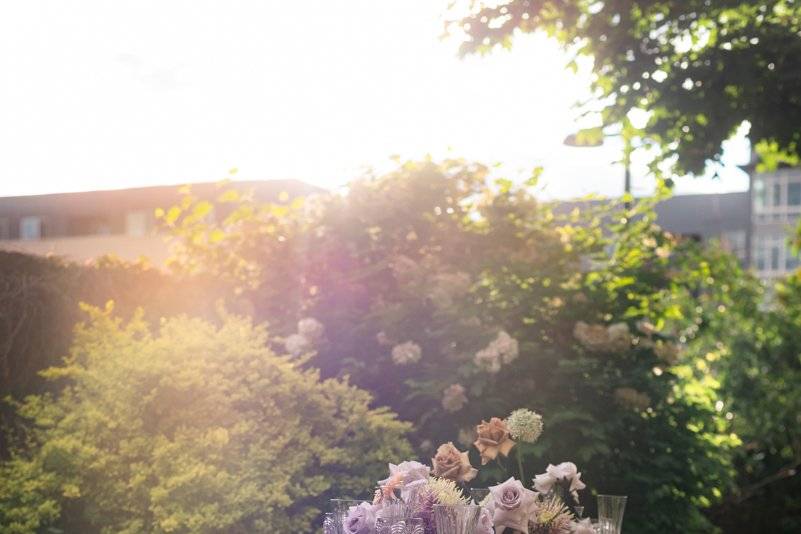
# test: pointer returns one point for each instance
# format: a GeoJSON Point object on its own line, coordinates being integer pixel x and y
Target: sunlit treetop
{"type": "Point", "coordinates": [702, 67]}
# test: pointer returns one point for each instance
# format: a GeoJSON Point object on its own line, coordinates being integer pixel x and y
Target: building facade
{"type": "Point", "coordinates": [83, 226]}
{"type": "Point", "coordinates": [776, 210]}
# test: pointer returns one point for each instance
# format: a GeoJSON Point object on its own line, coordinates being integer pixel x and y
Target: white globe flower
{"type": "Point", "coordinates": [311, 329]}
{"type": "Point", "coordinates": [406, 353]}
{"type": "Point", "coordinates": [297, 345]}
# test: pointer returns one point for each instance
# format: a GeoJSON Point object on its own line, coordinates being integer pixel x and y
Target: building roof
{"type": "Point", "coordinates": [140, 198]}
{"type": "Point", "coordinates": [704, 215]}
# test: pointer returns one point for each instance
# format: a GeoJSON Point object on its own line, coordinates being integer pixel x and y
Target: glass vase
{"type": "Point", "coordinates": [456, 519]}
{"type": "Point", "coordinates": [610, 513]}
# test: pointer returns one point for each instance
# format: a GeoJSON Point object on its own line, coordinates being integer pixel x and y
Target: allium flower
{"type": "Point", "coordinates": [454, 398]}
{"type": "Point", "coordinates": [493, 439]}
{"type": "Point", "coordinates": [360, 519]}
{"type": "Point", "coordinates": [406, 353]}
{"type": "Point", "coordinates": [296, 345]}
{"type": "Point", "coordinates": [524, 425]}
{"type": "Point", "coordinates": [513, 505]}
{"type": "Point", "coordinates": [632, 398]}
{"type": "Point", "coordinates": [311, 329]}
{"type": "Point", "coordinates": [452, 464]}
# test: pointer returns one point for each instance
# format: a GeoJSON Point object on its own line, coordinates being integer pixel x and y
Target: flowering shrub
{"type": "Point", "coordinates": [192, 428]}
{"type": "Point", "coordinates": [453, 297]}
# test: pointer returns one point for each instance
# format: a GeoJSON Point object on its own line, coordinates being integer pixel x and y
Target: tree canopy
{"type": "Point", "coordinates": [701, 67]}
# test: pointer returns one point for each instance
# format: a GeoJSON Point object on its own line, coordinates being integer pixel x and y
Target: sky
{"type": "Point", "coordinates": [107, 95]}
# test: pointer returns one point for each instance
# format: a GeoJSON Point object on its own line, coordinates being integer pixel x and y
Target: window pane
{"type": "Point", "coordinates": [794, 194]}
{"type": "Point", "coordinates": [30, 228]}
{"type": "Point", "coordinates": [777, 194]}
{"type": "Point", "coordinates": [774, 258]}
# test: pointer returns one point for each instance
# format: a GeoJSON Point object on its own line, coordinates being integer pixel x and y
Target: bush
{"type": "Point", "coordinates": [455, 297]}
{"type": "Point", "coordinates": [39, 308]}
{"type": "Point", "coordinates": [192, 428]}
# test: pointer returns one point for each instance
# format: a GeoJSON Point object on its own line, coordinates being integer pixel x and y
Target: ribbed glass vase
{"type": "Point", "coordinates": [456, 519]}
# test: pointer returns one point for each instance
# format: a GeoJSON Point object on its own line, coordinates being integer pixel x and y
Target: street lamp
{"type": "Point", "coordinates": [596, 139]}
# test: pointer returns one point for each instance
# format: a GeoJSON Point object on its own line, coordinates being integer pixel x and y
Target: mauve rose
{"type": "Point", "coordinates": [514, 505]}
{"type": "Point", "coordinates": [485, 524]}
{"type": "Point", "coordinates": [452, 464]}
{"type": "Point", "coordinates": [360, 519]}
{"type": "Point", "coordinates": [493, 439]}
{"type": "Point", "coordinates": [583, 527]}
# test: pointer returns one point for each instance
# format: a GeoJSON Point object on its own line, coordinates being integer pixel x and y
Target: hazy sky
{"type": "Point", "coordinates": [98, 95]}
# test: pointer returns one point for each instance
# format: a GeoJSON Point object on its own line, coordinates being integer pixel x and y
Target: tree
{"type": "Point", "coordinates": [192, 428]}
{"type": "Point", "coordinates": [701, 67]}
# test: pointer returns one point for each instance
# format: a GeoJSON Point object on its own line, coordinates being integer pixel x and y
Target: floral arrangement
{"type": "Point", "coordinates": [412, 489]}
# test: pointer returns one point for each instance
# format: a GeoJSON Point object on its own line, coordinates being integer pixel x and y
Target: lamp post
{"type": "Point", "coordinates": [575, 140]}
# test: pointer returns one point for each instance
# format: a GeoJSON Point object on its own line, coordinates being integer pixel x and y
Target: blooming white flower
{"type": "Point", "coordinates": [488, 359]}
{"type": "Point", "coordinates": [525, 425]}
{"type": "Point", "coordinates": [504, 349]}
{"type": "Point", "coordinates": [311, 329]}
{"type": "Point", "coordinates": [297, 344]}
{"type": "Point", "coordinates": [406, 353]}
{"type": "Point", "coordinates": [566, 471]}
{"type": "Point", "coordinates": [507, 347]}
{"type": "Point", "coordinates": [454, 398]}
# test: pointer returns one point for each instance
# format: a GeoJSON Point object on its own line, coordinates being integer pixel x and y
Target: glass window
{"type": "Point", "coordinates": [790, 260]}
{"type": "Point", "coordinates": [794, 194]}
{"type": "Point", "coordinates": [774, 257]}
{"type": "Point", "coordinates": [777, 194]}
{"type": "Point", "coordinates": [136, 223]}
{"type": "Point", "coordinates": [30, 228]}
{"type": "Point", "coordinates": [759, 194]}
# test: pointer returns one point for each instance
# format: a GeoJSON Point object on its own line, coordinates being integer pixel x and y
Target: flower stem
{"type": "Point", "coordinates": [520, 465]}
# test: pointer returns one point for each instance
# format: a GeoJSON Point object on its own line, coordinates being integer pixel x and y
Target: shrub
{"type": "Point", "coordinates": [191, 428]}
{"type": "Point", "coordinates": [455, 297]}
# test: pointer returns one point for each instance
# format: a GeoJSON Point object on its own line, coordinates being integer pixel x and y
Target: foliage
{"type": "Point", "coordinates": [490, 285]}
{"type": "Point", "coordinates": [38, 311]}
{"type": "Point", "coordinates": [761, 356]}
{"type": "Point", "coordinates": [192, 428]}
{"type": "Point", "coordinates": [700, 67]}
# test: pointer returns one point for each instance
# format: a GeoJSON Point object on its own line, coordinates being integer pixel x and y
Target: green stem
{"type": "Point", "coordinates": [520, 464]}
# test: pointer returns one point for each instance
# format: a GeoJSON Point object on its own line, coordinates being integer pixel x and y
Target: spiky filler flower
{"type": "Point", "coordinates": [551, 517]}
{"type": "Point", "coordinates": [436, 491]}
{"type": "Point", "coordinates": [524, 425]}
{"type": "Point", "coordinates": [446, 491]}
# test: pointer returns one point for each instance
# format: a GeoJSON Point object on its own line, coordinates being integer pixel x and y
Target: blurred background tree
{"type": "Point", "coordinates": [701, 68]}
